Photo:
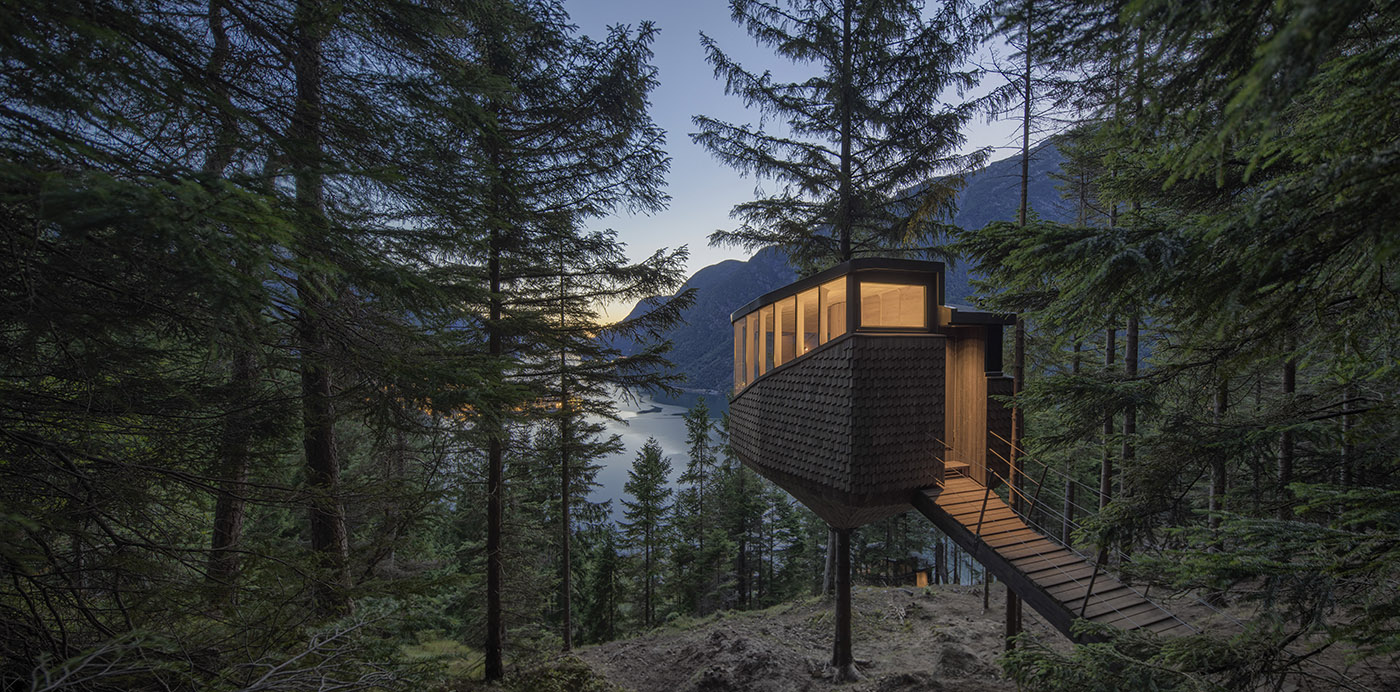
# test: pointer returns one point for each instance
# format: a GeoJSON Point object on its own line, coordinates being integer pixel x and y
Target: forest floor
{"type": "Point", "coordinates": [905, 638]}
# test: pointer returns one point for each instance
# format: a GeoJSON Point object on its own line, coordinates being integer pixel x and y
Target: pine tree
{"type": "Point", "coordinates": [701, 546]}
{"type": "Point", "coordinates": [866, 158]}
{"type": "Point", "coordinates": [567, 139]}
{"type": "Point", "coordinates": [645, 522]}
{"type": "Point", "coordinates": [602, 594]}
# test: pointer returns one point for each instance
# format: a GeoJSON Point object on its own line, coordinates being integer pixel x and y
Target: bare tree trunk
{"type": "Point", "coordinates": [565, 525]}
{"type": "Point", "coordinates": [327, 517]}
{"type": "Point", "coordinates": [844, 107]}
{"type": "Point", "coordinates": [495, 481]}
{"type": "Point", "coordinates": [234, 454]}
{"type": "Point", "coordinates": [1285, 442]}
{"type": "Point", "coordinates": [842, 661]}
{"type": "Point", "coordinates": [1067, 519]}
{"type": "Point", "coordinates": [1130, 370]}
{"type": "Point", "coordinates": [566, 595]}
{"type": "Point", "coordinates": [1217, 462]}
{"type": "Point", "coordinates": [829, 565]}
{"type": "Point", "coordinates": [1347, 476]}
{"type": "Point", "coordinates": [229, 505]}
{"type": "Point", "coordinates": [1106, 470]}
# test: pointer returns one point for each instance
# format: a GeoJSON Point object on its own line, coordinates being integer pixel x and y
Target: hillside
{"type": "Point", "coordinates": [935, 638]}
{"type": "Point", "coordinates": [702, 347]}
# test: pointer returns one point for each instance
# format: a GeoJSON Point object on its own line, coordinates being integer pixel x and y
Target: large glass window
{"type": "Point", "coordinates": [833, 309]}
{"type": "Point", "coordinates": [807, 320]}
{"type": "Point", "coordinates": [785, 330]}
{"type": "Point", "coordinates": [892, 305]}
{"type": "Point", "coordinates": [741, 347]}
{"type": "Point", "coordinates": [751, 345]}
{"type": "Point", "coordinates": [765, 354]}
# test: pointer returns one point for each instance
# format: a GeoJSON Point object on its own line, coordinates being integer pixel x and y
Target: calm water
{"type": "Point", "coordinates": [658, 417]}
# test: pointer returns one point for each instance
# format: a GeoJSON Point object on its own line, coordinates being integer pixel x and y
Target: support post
{"type": "Point", "coordinates": [842, 661]}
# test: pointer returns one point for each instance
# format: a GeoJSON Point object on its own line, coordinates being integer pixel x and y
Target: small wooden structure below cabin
{"type": "Point", "coordinates": [856, 386]}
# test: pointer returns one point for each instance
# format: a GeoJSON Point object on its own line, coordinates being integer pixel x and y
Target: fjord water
{"type": "Point", "coordinates": [655, 416]}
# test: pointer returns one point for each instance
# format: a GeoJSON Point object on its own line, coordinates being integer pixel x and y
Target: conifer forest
{"type": "Point", "coordinates": [305, 373]}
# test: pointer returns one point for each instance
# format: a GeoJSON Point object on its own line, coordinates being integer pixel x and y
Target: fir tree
{"type": "Point", "coordinates": [866, 158]}
{"type": "Point", "coordinates": [645, 517]}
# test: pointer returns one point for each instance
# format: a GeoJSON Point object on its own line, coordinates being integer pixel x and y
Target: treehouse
{"type": "Point", "coordinates": [856, 387]}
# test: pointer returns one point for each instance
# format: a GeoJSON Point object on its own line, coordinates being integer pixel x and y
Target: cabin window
{"type": "Point", "coordinates": [893, 305]}
{"type": "Point", "coordinates": [751, 344]}
{"type": "Point", "coordinates": [765, 354]}
{"type": "Point", "coordinates": [807, 320]}
{"type": "Point", "coordinates": [833, 309]}
{"type": "Point", "coordinates": [785, 330]}
{"type": "Point", "coordinates": [741, 367]}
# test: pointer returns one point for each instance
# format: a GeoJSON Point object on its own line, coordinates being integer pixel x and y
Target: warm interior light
{"type": "Point", "coordinates": [892, 305]}
{"type": "Point", "coordinates": [833, 309]}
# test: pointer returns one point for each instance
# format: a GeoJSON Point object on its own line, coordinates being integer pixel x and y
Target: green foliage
{"type": "Point", "coordinates": [1224, 203]}
{"type": "Point", "coordinates": [865, 158]}
{"type": "Point", "coordinates": [244, 280]}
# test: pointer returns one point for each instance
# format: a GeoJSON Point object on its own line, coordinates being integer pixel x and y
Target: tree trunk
{"type": "Point", "coordinates": [234, 454]}
{"type": "Point", "coordinates": [1106, 470]}
{"type": "Point", "coordinates": [1347, 475]}
{"type": "Point", "coordinates": [565, 525]}
{"type": "Point", "coordinates": [842, 661]}
{"type": "Point", "coordinates": [1285, 442]}
{"type": "Point", "coordinates": [646, 602]}
{"type": "Point", "coordinates": [495, 480]}
{"type": "Point", "coordinates": [229, 509]}
{"type": "Point", "coordinates": [844, 107]}
{"type": "Point", "coordinates": [565, 480]}
{"type": "Point", "coordinates": [1018, 374]}
{"type": "Point", "coordinates": [829, 575]}
{"type": "Point", "coordinates": [1130, 370]}
{"type": "Point", "coordinates": [1067, 519]}
{"type": "Point", "coordinates": [1217, 462]}
{"type": "Point", "coordinates": [327, 517]}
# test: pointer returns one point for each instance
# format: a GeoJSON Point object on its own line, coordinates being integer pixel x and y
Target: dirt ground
{"type": "Point", "coordinates": [935, 638]}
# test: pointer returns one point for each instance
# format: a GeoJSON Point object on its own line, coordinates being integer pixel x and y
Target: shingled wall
{"type": "Point", "coordinates": [856, 423]}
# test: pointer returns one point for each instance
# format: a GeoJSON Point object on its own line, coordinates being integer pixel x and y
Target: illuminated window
{"type": "Point", "coordinates": [741, 368]}
{"type": "Point", "coordinates": [751, 345]}
{"type": "Point", "coordinates": [786, 330]}
{"type": "Point", "coordinates": [892, 305]}
{"type": "Point", "coordinates": [833, 309]}
{"type": "Point", "coordinates": [807, 320]}
{"type": "Point", "coordinates": [765, 353]}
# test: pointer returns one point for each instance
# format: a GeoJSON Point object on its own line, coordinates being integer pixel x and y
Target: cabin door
{"type": "Point", "coordinates": [966, 413]}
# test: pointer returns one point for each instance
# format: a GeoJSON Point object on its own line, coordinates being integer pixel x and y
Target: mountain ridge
{"type": "Point", "coordinates": [702, 346]}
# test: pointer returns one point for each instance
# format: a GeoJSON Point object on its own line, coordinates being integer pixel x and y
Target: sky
{"type": "Point", "coordinates": [702, 190]}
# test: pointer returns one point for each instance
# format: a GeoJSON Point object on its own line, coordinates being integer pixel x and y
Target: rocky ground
{"type": "Point", "coordinates": [935, 638]}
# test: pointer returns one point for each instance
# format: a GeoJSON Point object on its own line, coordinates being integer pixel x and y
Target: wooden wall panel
{"type": "Point", "coordinates": [967, 396]}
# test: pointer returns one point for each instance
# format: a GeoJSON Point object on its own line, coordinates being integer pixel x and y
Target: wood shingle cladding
{"type": "Point", "coordinates": [851, 383]}
{"type": "Point", "coordinates": [849, 429]}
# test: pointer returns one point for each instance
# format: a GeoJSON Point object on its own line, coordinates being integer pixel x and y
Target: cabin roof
{"type": "Point", "coordinates": [958, 314]}
{"type": "Point", "coordinates": [842, 269]}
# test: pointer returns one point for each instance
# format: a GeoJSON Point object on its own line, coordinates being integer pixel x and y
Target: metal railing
{"type": "Point", "coordinates": [1028, 548]}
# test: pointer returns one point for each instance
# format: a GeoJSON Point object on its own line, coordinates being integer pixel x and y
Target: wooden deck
{"type": "Point", "coordinates": [1047, 576]}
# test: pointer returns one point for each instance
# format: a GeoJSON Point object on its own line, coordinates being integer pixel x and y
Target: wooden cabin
{"type": "Point", "coordinates": [855, 387]}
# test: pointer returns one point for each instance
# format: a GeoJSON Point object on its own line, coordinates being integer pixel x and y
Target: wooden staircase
{"type": "Point", "coordinates": [1060, 584]}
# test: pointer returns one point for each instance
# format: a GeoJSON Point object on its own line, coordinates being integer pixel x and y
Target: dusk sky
{"type": "Point", "coordinates": [703, 191]}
